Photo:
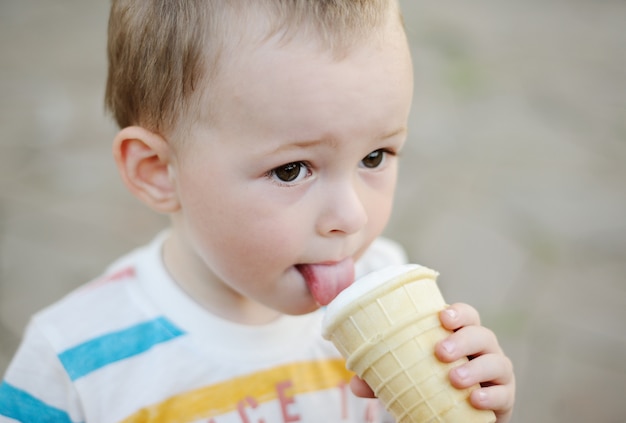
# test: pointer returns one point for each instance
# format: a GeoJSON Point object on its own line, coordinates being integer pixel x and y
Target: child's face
{"type": "Point", "coordinates": [298, 166]}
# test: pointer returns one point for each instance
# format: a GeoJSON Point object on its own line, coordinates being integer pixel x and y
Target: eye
{"type": "Point", "coordinates": [290, 172]}
{"type": "Point", "coordinates": [374, 159]}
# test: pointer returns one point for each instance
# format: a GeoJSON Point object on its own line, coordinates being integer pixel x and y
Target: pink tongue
{"type": "Point", "coordinates": [326, 281]}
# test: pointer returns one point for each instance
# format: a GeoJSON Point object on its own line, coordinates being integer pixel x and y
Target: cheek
{"type": "Point", "coordinates": [379, 215]}
{"type": "Point", "coordinates": [233, 224]}
{"type": "Point", "coordinates": [381, 197]}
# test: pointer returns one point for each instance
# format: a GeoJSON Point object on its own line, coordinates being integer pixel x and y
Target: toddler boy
{"type": "Point", "coordinates": [269, 131]}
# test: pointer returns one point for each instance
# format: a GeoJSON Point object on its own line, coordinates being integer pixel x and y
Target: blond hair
{"type": "Point", "coordinates": [161, 52]}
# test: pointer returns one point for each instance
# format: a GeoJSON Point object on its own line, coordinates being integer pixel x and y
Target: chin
{"type": "Point", "coordinates": [301, 309]}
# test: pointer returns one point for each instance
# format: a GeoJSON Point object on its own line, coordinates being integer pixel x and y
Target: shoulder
{"type": "Point", "coordinates": [105, 304]}
{"type": "Point", "coordinates": [383, 252]}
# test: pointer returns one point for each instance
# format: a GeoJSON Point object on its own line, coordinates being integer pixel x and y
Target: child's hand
{"type": "Point", "coordinates": [488, 365]}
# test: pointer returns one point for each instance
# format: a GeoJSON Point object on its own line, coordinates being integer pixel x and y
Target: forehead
{"type": "Point", "coordinates": [257, 55]}
{"type": "Point", "coordinates": [300, 90]}
{"type": "Point", "coordinates": [261, 46]}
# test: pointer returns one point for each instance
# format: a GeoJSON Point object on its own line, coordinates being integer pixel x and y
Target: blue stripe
{"type": "Point", "coordinates": [112, 347]}
{"type": "Point", "coordinates": [23, 407]}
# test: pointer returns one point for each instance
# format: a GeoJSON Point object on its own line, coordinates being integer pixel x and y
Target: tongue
{"type": "Point", "coordinates": [326, 281]}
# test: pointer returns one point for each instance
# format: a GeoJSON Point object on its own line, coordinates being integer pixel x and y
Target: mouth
{"type": "Point", "coordinates": [326, 280]}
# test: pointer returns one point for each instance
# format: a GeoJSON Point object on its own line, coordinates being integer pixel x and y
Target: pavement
{"type": "Point", "coordinates": [513, 184]}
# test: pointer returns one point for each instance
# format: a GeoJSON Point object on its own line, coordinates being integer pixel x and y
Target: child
{"type": "Point", "coordinates": [269, 131]}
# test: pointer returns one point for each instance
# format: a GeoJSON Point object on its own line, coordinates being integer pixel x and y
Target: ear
{"type": "Point", "coordinates": [143, 159]}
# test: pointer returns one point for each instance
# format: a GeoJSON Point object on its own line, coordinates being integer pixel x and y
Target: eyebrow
{"type": "Point", "coordinates": [330, 141]}
{"type": "Point", "coordinates": [394, 133]}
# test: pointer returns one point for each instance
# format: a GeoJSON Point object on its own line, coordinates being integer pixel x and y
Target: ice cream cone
{"type": "Point", "coordinates": [386, 325]}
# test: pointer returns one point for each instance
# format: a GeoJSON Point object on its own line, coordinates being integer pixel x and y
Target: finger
{"type": "Point", "coordinates": [499, 398]}
{"type": "Point", "coordinates": [360, 388]}
{"type": "Point", "coordinates": [489, 369]}
{"type": "Point", "coordinates": [467, 342]}
{"type": "Point", "coordinates": [459, 315]}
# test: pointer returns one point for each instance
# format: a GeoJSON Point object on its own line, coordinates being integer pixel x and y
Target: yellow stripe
{"type": "Point", "coordinates": [223, 397]}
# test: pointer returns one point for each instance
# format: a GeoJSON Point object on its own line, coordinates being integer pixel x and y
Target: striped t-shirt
{"type": "Point", "coordinates": [131, 347]}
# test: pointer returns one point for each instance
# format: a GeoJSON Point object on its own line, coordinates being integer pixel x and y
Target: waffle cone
{"type": "Point", "coordinates": [387, 328]}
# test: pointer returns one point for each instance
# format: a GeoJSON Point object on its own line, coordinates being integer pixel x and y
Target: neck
{"type": "Point", "coordinates": [195, 278]}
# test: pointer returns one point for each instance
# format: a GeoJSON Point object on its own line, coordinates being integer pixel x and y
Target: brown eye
{"type": "Point", "coordinates": [290, 172]}
{"type": "Point", "coordinates": [374, 159]}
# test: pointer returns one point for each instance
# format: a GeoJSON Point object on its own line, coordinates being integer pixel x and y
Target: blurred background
{"type": "Point", "coordinates": [513, 184]}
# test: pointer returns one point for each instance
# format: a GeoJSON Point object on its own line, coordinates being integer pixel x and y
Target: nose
{"type": "Point", "coordinates": [343, 210]}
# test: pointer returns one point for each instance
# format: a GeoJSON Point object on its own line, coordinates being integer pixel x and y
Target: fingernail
{"type": "Point", "coordinates": [448, 346]}
{"type": "Point", "coordinates": [482, 396]}
{"type": "Point", "coordinates": [451, 313]}
{"type": "Point", "coordinates": [462, 372]}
